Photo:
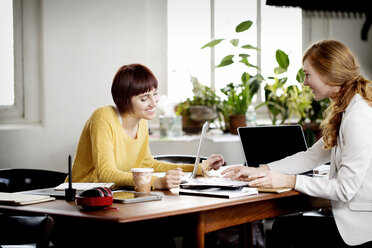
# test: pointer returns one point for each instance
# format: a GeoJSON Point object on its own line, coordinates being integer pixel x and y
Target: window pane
{"type": "Point", "coordinates": [6, 53]}
{"type": "Point", "coordinates": [188, 31]}
{"type": "Point", "coordinates": [281, 29]}
{"type": "Point", "coordinates": [228, 14]}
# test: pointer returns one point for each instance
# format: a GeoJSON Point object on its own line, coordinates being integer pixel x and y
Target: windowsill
{"type": "Point", "coordinates": [192, 137]}
{"type": "Point", "coordinates": [20, 126]}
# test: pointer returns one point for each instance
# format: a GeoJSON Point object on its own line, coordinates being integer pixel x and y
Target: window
{"type": "Point", "coordinates": [6, 51]}
{"type": "Point", "coordinates": [20, 90]}
{"type": "Point", "coordinates": [191, 24]}
{"type": "Point", "coordinates": [188, 29]}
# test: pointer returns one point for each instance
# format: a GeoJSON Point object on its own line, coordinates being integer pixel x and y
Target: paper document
{"type": "Point", "coordinates": [214, 182]}
{"type": "Point", "coordinates": [273, 190]}
{"type": "Point", "coordinates": [83, 186]}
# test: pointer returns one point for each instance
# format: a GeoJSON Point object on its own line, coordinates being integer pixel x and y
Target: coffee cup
{"type": "Point", "coordinates": [142, 179]}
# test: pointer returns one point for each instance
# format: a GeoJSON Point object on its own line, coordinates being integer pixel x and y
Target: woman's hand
{"type": "Point", "coordinates": [271, 179]}
{"type": "Point", "coordinates": [215, 161]}
{"type": "Point", "coordinates": [261, 177]}
{"type": "Point", "coordinates": [172, 179]}
{"type": "Point", "coordinates": [241, 172]}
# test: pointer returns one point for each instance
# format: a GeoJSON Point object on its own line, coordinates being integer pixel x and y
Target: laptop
{"type": "Point", "coordinates": [192, 175]}
{"type": "Point", "coordinates": [191, 181]}
{"type": "Point", "coordinates": [265, 144]}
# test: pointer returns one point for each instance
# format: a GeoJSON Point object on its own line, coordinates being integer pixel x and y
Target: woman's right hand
{"type": "Point", "coordinates": [172, 179]}
{"type": "Point", "coordinates": [241, 172]}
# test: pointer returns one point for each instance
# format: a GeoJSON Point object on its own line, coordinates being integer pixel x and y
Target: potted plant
{"type": "Point", "coordinates": [239, 95]}
{"type": "Point", "coordinates": [311, 124]}
{"type": "Point", "coordinates": [287, 103]}
{"type": "Point", "coordinates": [202, 107]}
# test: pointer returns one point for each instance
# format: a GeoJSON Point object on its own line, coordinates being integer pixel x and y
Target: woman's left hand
{"type": "Point", "coordinates": [215, 161]}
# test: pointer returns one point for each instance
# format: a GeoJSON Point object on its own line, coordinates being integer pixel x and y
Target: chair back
{"type": "Point", "coordinates": [178, 158]}
{"type": "Point", "coordinates": [23, 229]}
{"type": "Point", "coordinates": [14, 179]}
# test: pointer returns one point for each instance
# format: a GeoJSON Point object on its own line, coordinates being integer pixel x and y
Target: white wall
{"type": "Point", "coordinates": [84, 42]}
{"type": "Point", "coordinates": [346, 30]}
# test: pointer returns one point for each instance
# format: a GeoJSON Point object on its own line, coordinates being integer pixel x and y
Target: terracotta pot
{"type": "Point", "coordinates": [190, 126]}
{"type": "Point", "coordinates": [236, 121]}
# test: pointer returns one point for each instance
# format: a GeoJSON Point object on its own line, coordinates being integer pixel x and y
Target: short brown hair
{"type": "Point", "coordinates": [131, 80]}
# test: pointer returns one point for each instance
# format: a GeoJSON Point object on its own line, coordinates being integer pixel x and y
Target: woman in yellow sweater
{"type": "Point", "coordinates": [116, 139]}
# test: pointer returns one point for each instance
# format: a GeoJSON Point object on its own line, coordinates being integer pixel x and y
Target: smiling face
{"type": "Point", "coordinates": [319, 87]}
{"type": "Point", "coordinates": [144, 104]}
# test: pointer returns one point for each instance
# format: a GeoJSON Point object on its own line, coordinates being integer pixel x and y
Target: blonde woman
{"type": "Point", "coordinates": [331, 72]}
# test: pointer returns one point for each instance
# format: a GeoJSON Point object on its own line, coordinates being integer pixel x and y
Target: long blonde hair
{"type": "Point", "coordinates": [337, 66]}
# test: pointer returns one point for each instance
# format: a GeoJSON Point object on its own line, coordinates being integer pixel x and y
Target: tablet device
{"type": "Point", "coordinates": [124, 196]}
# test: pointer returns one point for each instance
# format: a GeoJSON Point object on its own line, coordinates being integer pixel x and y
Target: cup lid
{"type": "Point", "coordinates": [142, 169]}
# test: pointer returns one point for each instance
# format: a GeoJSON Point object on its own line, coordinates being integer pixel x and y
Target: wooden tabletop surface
{"type": "Point", "coordinates": [172, 204]}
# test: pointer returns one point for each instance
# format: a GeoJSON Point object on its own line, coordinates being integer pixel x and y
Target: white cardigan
{"type": "Point", "coordinates": [349, 186]}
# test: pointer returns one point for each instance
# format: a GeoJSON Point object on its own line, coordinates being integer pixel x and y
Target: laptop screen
{"type": "Point", "coordinates": [197, 159]}
{"type": "Point", "coordinates": [265, 144]}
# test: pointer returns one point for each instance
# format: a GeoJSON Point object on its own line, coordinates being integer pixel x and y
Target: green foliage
{"type": "Point", "coordinates": [203, 95]}
{"type": "Point", "coordinates": [239, 95]}
{"type": "Point", "coordinates": [243, 26]}
{"type": "Point", "coordinates": [286, 102]}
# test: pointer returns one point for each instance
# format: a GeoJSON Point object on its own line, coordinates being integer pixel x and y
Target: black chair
{"type": "Point", "coordinates": [27, 229]}
{"type": "Point", "coordinates": [178, 158]}
{"type": "Point", "coordinates": [15, 180]}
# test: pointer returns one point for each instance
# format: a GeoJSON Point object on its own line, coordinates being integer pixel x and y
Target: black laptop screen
{"type": "Point", "coordinates": [265, 144]}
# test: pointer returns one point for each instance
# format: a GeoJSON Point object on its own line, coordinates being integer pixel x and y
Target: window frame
{"type": "Point", "coordinates": [27, 81]}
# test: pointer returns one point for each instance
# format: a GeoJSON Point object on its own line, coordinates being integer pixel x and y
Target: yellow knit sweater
{"type": "Point", "coordinates": [105, 153]}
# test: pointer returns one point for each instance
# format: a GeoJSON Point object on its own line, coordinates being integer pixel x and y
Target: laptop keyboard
{"type": "Point", "coordinates": [205, 181]}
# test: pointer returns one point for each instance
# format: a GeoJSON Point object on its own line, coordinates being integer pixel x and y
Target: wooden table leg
{"type": "Point", "coordinates": [200, 231]}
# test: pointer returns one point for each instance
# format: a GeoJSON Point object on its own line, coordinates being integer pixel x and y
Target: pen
{"type": "Point", "coordinates": [69, 172]}
{"type": "Point", "coordinates": [70, 192]}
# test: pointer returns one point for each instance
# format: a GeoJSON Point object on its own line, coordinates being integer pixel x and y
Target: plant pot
{"type": "Point", "coordinates": [202, 113]}
{"type": "Point", "coordinates": [191, 126]}
{"type": "Point", "coordinates": [236, 121]}
{"type": "Point", "coordinates": [312, 133]}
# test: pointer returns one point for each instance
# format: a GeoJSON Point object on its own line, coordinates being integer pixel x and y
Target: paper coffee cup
{"type": "Point", "coordinates": [142, 179]}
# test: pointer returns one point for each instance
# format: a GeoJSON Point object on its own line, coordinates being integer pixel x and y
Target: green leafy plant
{"type": "Point", "coordinates": [229, 59]}
{"type": "Point", "coordinates": [239, 95]}
{"type": "Point", "coordinates": [286, 102]}
{"type": "Point", "coordinates": [203, 96]}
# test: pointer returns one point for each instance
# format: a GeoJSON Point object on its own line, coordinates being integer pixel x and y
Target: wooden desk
{"type": "Point", "coordinates": [205, 214]}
